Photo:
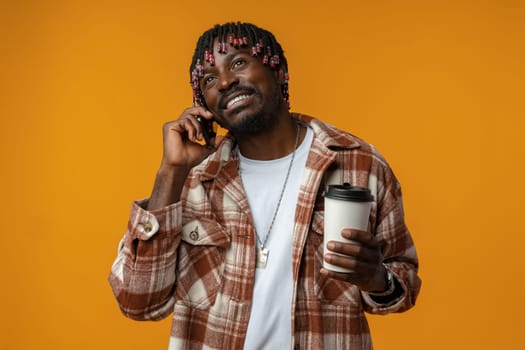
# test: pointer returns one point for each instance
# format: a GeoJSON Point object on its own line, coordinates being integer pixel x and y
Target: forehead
{"type": "Point", "coordinates": [224, 53]}
{"type": "Point", "coordinates": [228, 46]}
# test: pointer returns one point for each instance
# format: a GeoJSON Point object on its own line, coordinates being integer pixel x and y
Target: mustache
{"type": "Point", "coordinates": [235, 90]}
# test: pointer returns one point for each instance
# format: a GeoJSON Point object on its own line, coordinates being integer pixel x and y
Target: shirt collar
{"type": "Point", "coordinates": [225, 156]}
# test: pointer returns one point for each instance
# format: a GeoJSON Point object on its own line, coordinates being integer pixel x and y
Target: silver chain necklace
{"type": "Point", "coordinates": [262, 252]}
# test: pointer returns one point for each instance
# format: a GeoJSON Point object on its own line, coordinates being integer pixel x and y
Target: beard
{"type": "Point", "coordinates": [262, 118]}
{"type": "Point", "coordinates": [253, 123]}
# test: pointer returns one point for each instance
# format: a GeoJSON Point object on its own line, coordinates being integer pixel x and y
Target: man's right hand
{"type": "Point", "coordinates": [182, 151]}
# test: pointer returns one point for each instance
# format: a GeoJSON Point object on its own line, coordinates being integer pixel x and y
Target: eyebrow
{"type": "Point", "coordinates": [229, 56]}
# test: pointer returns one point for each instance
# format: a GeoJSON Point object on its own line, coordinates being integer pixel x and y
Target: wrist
{"type": "Point", "coordinates": [169, 170]}
{"type": "Point", "coordinates": [168, 186]}
{"type": "Point", "coordinates": [388, 284]}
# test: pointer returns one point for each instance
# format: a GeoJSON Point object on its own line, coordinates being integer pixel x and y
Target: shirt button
{"type": "Point", "coordinates": [148, 226]}
{"type": "Point", "coordinates": [194, 235]}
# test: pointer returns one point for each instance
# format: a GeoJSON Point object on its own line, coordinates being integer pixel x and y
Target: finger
{"type": "Point", "coordinates": [190, 118]}
{"type": "Point", "coordinates": [186, 126]}
{"type": "Point", "coordinates": [357, 267]}
{"type": "Point", "coordinates": [355, 250]}
{"type": "Point", "coordinates": [350, 249]}
{"type": "Point", "coordinates": [346, 262]}
{"type": "Point", "coordinates": [363, 237]}
{"type": "Point", "coordinates": [193, 129]}
{"type": "Point", "coordinates": [199, 114]}
{"type": "Point", "coordinates": [343, 276]}
{"type": "Point", "coordinates": [199, 111]}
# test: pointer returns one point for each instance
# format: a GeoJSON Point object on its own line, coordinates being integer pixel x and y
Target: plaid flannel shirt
{"type": "Point", "coordinates": [196, 258]}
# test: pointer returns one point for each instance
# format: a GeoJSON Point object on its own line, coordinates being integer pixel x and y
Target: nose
{"type": "Point", "coordinates": [227, 79]}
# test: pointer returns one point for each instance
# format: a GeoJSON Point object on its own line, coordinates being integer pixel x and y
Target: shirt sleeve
{"type": "Point", "coordinates": [143, 274]}
{"type": "Point", "coordinates": [399, 252]}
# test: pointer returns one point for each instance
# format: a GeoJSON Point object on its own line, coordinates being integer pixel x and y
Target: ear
{"type": "Point", "coordinates": [280, 74]}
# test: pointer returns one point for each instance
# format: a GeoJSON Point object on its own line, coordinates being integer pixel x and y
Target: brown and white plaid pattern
{"type": "Point", "coordinates": [196, 258]}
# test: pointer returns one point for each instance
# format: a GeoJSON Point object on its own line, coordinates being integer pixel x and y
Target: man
{"type": "Point", "coordinates": [230, 240]}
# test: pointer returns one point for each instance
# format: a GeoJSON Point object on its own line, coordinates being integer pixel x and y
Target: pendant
{"type": "Point", "coordinates": [262, 258]}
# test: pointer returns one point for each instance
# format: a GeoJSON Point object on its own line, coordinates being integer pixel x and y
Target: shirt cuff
{"type": "Point", "coordinates": [144, 224]}
{"type": "Point", "coordinates": [383, 302]}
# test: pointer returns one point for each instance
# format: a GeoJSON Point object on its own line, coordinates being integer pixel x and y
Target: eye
{"type": "Point", "coordinates": [238, 62]}
{"type": "Point", "coordinates": [208, 80]}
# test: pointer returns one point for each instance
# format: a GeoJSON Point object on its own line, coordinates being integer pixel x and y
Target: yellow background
{"type": "Point", "coordinates": [437, 86]}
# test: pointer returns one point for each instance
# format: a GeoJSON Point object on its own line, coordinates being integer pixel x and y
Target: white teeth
{"type": "Point", "coordinates": [235, 100]}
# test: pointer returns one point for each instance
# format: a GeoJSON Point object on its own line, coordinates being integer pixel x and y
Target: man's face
{"type": "Point", "coordinates": [243, 94]}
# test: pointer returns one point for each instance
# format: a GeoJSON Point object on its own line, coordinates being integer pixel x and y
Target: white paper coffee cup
{"type": "Point", "coordinates": [345, 206]}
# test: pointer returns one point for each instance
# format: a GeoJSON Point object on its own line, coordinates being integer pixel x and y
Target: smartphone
{"type": "Point", "coordinates": [209, 129]}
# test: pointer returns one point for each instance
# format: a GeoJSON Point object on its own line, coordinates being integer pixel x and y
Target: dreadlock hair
{"type": "Point", "coordinates": [236, 35]}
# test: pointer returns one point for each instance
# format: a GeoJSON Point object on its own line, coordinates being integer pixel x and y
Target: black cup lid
{"type": "Point", "coordinates": [347, 192]}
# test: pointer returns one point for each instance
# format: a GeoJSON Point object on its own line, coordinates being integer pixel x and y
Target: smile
{"type": "Point", "coordinates": [236, 100]}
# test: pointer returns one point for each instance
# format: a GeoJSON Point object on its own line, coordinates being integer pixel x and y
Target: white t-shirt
{"type": "Point", "coordinates": [269, 326]}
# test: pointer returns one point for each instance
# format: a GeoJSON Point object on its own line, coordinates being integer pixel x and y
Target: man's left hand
{"type": "Point", "coordinates": [362, 256]}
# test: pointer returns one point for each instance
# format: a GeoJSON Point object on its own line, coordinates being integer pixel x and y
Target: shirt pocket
{"type": "Point", "coordinates": [201, 262]}
{"type": "Point", "coordinates": [329, 290]}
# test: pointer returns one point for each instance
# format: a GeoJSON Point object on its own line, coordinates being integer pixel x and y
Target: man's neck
{"type": "Point", "coordinates": [274, 143]}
